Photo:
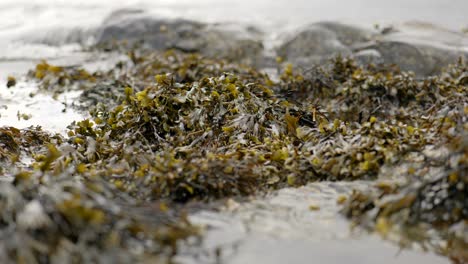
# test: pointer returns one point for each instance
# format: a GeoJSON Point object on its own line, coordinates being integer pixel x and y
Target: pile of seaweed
{"type": "Point", "coordinates": [170, 128]}
{"type": "Point", "coordinates": [51, 214]}
{"type": "Point", "coordinates": [430, 207]}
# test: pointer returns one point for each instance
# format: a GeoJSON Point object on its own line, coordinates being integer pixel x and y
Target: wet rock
{"type": "Point", "coordinates": [418, 47]}
{"type": "Point", "coordinates": [220, 41]}
{"type": "Point", "coordinates": [320, 41]}
{"type": "Point", "coordinates": [347, 34]}
{"type": "Point", "coordinates": [421, 59]}
{"type": "Point", "coordinates": [157, 33]}
{"type": "Point", "coordinates": [422, 48]}
{"type": "Point", "coordinates": [368, 56]}
{"type": "Point", "coordinates": [429, 33]}
{"type": "Point", "coordinates": [406, 56]}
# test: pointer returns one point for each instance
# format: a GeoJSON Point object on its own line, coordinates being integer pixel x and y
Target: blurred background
{"type": "Point", "coordinates": [28, 14]}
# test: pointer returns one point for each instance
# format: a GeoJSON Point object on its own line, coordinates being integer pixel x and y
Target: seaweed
{"type": "Point", "coordinates": [433, 198]}
{"type": "Point", "coordinates": [173, 128]}
{"type": "Point", "coordinates": [11, 81]}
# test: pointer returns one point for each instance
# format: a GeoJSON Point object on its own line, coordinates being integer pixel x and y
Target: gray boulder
{"type": "Point", "coordinates": [347, 34]}
{"type": "Point", "coordinates": [422, 59]}
{"type": "Point", "coordinates": [221, 40]}
{"type": "Point", "coordinates": [367, 56]}
{"type": "Point", "coordinates": [423, 48]}
{"type": "Point", "coordinates": [321, 41]}
{"type": "Point", "coordinates": [418, 47]}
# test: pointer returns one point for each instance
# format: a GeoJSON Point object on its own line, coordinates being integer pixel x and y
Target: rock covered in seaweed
{"type": "Point", "coordinates": [431, 201]}
{"type": "Point", "coordinates": [17, 146]}
{"type": "Point", "coordinates": [49, 218]}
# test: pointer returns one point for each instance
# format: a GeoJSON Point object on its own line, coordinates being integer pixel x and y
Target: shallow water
{"type": "Point", "coordinates": [278, 228]}
{"type": "Point", "coordinates": [281, 228]}
{"type": "Point", "coordinates": [52, 114]}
